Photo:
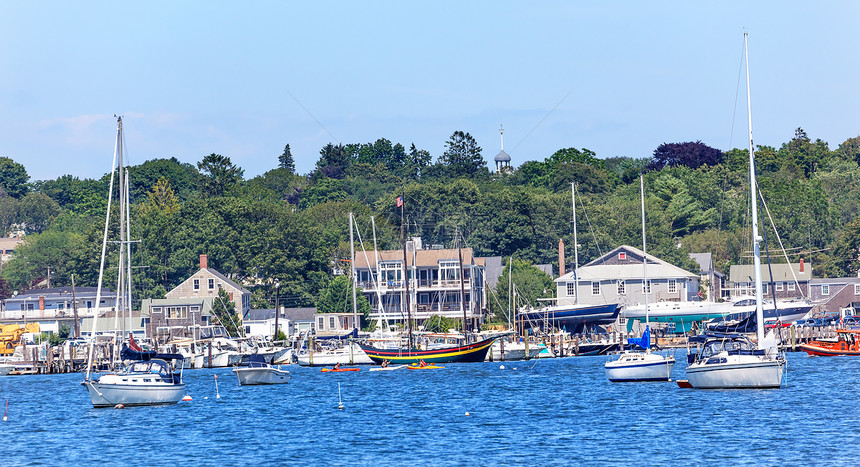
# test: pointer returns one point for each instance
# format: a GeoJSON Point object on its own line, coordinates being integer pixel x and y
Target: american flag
{"type": "Point", "coordinates": [399, 201]}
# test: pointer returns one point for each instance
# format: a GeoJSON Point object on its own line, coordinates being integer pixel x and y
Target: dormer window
{"type": "Point", "coordinates": [622, 256]}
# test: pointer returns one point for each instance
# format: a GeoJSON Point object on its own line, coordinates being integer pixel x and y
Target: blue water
{"type": "Point", "coordinates": [560, 412]}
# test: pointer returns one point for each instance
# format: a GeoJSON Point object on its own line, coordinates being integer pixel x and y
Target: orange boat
{"type": "Point", "coordinates": [847, 343]}
{"type": "Point", "coordinates": [337, 370]}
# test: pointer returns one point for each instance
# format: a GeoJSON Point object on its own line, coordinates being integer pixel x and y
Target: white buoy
{"type": "Point", "coordinates": [186, 398]}
{"type": "Point", "coordinates": [217, 395]}
{"type": "Point", "coordinates": [501, 367]}
{"type": "Point", "coordinates": [467, 414]}
{"type": "Point", "coordinates": [339, 401]}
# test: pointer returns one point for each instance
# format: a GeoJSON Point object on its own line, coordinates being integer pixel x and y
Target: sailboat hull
{"type": "Point", "coordinates": [109, 395]}
{"type": "Point", "coordinates": [736, 372]}
{"type": "Point", "coordinates": [474, 352]}
{"type": "Point", "coordinates": [573, 318]}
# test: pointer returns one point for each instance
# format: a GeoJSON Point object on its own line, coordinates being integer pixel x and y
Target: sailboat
{"type": "Point", "coordinates": [453, 350]}
{"type": "Point", "coordinates": [150, 378]}
{"type": "Point", "coordinates": [571, 317]}
{"type": "Point", "coordinates": [635, 365]}
{"type": "Point", "coordinates": [727, 361]}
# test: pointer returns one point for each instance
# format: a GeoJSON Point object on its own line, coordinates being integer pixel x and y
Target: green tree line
{"type": "Point", "coordinates": [293, 227]}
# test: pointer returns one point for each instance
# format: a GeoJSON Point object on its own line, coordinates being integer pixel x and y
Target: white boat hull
{"type": "Point", "coordinates": [639, 366]}
{"type": "Point", "coordinates": [736, 372]}
{"type": "Point", "coordinates": [269, 375]}
{"type": "Point", "coordinates": [5, 368]}
{"type": "Point", "coordinates": [110, 394]}
{"type": "Point", "coordinates": [329, 358]}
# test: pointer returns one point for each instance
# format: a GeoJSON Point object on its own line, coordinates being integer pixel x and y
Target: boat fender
{"type": "Point", "coordinates": [119, 406]}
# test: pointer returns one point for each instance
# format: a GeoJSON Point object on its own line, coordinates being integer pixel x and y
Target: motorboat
{"type": "Point", "coordinates": [260, 372]}
{"type": "Point", "coordinates": [732, 361]}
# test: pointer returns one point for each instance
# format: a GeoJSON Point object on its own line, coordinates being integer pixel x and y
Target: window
{"type": "Point", "coordinates": [646, 285]}
{"type": "Point", "coordinates": [825, 289]}
{"type": "Point", "coordinates": [89, 303]}
{"type": "Point", "coordinates": [856, 289]}
{"type": "Point", "coordinates": [194, 308]}
{"type": "Point", "coordinates": [196, 284]}
{"type": "Point", "coordinates": [331, 322]}
{"type": "Point", "coordinates": [29, 306]}
{"type": "Point", "coordinates": [449, 270]}
{"type": "Point", "coordinates": [791, 286]}
{"type": "Point", "coordinates": [764, 288]}
{"type": "Point", "coordinates": [61, 306]}
{"type": "Point", "coordinates": [621, 288]}
{"type": "Point", "coordinates": [156, 309]}
{"type": "Point", "coordinates": [595, 288]}
{"type": "Point", "coordinates": [672, 284]}
{"type": "Point", "coordinates": [321, 322]}
{"type": "Point", "coordinates": [778, 286]}
{"type": "Point", "coordinates": [177, 312]}
{"type": "Point", "coordinates": [571, 289]}
{"type": "Point", "coordinates": [622, 256]}
{"type": "Point", "coordinates": [391, 272]}
{"type": "Point", "coordinates": [211, 284]}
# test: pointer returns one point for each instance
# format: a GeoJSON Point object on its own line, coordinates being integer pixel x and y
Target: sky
{"type": "Point", "coordinates": [243, 79]}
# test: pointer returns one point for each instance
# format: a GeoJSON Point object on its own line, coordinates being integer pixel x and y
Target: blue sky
{"type": "Point", "coordinates": [243, 79]}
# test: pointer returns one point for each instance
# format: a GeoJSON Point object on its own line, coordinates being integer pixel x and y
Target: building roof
{"type": "Point", "coordinates": [493, 269]}
{"type": "Point", "coordinates": [603, 268]}
{"type": "Point", "coordinates": [300, 314]}
{"type": "Point", "coordinates": [705, 262]}
{"type": "Point", "coordinates": [9, 243]}
{"type": "Point", "coordinates": [781, 272]}
{"type": "Point", "coordinates": [56, 292]}
{"type": "Point", "coordinates": [502, 156]}
{"type": "Point", "coordinates": [228, 281]}
{"type": "Point", "coordinates": [421, 258]}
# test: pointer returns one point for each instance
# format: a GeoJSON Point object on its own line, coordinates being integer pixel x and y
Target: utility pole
{"type": "Point", "coordinates": [277, 308]}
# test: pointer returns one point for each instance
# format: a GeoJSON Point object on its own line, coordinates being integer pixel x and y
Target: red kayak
{"type": "Point", "coordinates": [337, 370]}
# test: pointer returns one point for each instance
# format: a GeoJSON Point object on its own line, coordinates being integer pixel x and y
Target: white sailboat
{"type": "Point", "coordinates": [728, 361]}
{"type": "Point", "coordinates": [634, 365]}
{"type": "Point", "coordinates": [150, 379]}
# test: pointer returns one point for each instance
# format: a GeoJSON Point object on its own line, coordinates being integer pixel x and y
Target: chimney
{"type": "Point", "coordinates": [560, 258]}
{"type": "Point", "coordinates": [801, 264]}
{"type": "Point", "coordinates": [41, 302]}
{"type": "Point", "coordinates": [204, 263]}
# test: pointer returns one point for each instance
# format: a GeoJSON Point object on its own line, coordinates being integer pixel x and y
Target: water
{"type": "Point", "coordinates": [560, 411]}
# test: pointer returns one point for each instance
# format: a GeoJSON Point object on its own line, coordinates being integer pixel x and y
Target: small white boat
{"type": "Point", "coordinates": [639, 366]}
{"type": "Point", "coordinates": [388, 368]}
{"type": "Point", "coordinates": [259, 372]}
{"type": "Point", "coordinates": [141, 383]}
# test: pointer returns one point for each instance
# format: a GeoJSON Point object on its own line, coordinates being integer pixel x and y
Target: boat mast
{"type": "Point", "coordinates": [128, 250]}
{"type": "Point", "coordinates": [104, 250]}
{"type": "Point", "coordinates": [354, 279]}
{"type": "Point", "coordinates": [405, 270]}
{"type": "Point", "coordinates": [644, 250]}
{"type": "Point", "coordinates": [462, 288]}
{"type": "Point", "coordinates": [575, 246]}
{"type": "Point", "coordinates": [759, 311]}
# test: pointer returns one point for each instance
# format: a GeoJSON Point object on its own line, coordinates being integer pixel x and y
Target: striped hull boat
{"type": "Point", "coordinates": [474, 352]}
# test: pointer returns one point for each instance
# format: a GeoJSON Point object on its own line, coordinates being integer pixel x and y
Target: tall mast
{"type": "Point", "coordinates": [128, 249]}
{"type": "Point", "coordinates": [462, 287]}
{"type": "Point", "coordinates": [354, 279]}
{"type": "Point", "coordinates": [575, 246]}
{"type": "Point", "coordinates": [644, 249]}
{"type": "Point", "coordinates": [405, 269]}
{"type": "Point", "coordinates": [759, 311]}
{"type": "Point", "coordinates": [104, 250]}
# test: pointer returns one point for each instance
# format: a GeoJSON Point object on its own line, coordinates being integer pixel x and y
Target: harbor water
{"type": "Point", "coordinates": [554, 411]}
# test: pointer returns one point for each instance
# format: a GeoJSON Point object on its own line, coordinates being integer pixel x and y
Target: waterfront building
{"type": "Point", "coordinates": [57, 302]}
{"type": "Point", "coordinates": [167, 319]}
{"type": "Point", "coordinates": [835, 294]}
{"type": "Point", "coordinates": [711, 280]}
{"type": "Point", "coordinates": [617, 277]}
{"type": "Point", "coordinates": [434, 283]}
{"type": "Point", "coordinates": [784, 284]}
{"type": "Point", "coordinates": [207, 282]}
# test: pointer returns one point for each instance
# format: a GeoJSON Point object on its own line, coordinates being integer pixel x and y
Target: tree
{"type": "Point", "coordinates": [688, 154]}
{"type": "Point", "coordinates": [181, 176]}
{"type": "Point", "coordinates": [36, 211]}
{"type": "Point", "coordinates": [225, 310]}
{"type": "Point", "coordinates": [850, 149]}
{"type": "Point", "coordinates": [40, 252]}
{"type": "Point", "coordinates": [530, 284]}
{"type": "Point", "coordinates": [419, 160]}
{"type": "Point", "coordinates": [463, 156]}
{"type": "Point", "coordinates": [285, 160]}
{"type": "Point", "coordinates": [13, 178]}
{"type": "Point", "coordinates": [220, 174]}
{"type": "Point", "coordinates": [333, 161]}
{"type": "Point", "coordinates": [336, 297]}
